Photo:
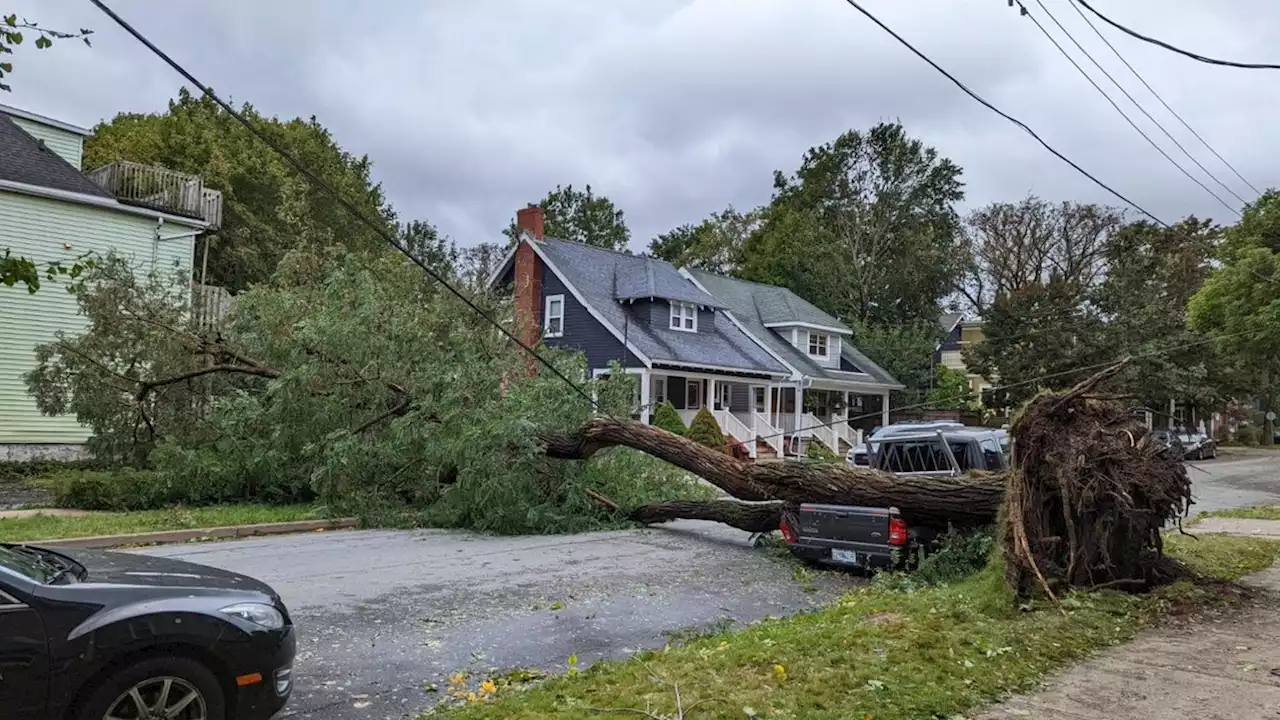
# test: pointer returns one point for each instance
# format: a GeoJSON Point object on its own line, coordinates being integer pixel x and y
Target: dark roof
{"type": "Point", "coordinates": [645, 278]}
{"type": "Point", "coordinates": [27, 160]}
{"type": "Point", "coordinates": [779, 306]}
{"type": "Point", "coordinates": [597, 273]}
{"type": "Point", "coordinates": [948, 321]}
{"type": "Point", "coordinates": [745, 299]}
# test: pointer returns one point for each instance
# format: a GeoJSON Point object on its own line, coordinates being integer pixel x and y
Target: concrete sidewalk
{"type": "Point", "coordinates": [1223, 669]}
{"type": "Point", "coordinates": [1265, 529]}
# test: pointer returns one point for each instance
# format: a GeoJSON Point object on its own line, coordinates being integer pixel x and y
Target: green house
{"type": "Point", "coordinates": [52, 211]}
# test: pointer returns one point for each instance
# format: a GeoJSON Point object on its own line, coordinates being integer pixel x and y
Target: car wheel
{"type": "Point", "coordinates": [162, 688]}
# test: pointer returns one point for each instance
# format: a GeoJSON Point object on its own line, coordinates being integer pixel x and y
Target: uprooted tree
{"type": "Point", "coordinates": [369, 386]}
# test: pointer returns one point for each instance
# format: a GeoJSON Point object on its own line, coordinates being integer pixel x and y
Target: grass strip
{"type": "Point", "coordinates": [50, 527]}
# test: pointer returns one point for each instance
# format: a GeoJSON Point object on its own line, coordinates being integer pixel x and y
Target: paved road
{"type": "Point", "coordinates": [1237, 478]}
{"type": "Point", "coordinates": [382, 613]}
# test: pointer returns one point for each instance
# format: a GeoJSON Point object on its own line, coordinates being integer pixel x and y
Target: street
{"type": "Point", "coordinates": [381, 614]}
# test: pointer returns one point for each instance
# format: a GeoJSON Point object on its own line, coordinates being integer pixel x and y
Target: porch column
{"type": "Point", "coordinates": [884, 410]}
{"type": "Point", "coordinates": [1172, 407]}
{"type": "Point", "coordinates": [646, 395]}
{"type": "Point", "coordinates": [712, 395]}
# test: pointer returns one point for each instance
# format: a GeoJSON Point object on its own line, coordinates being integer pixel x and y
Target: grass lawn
{"type": "Point", "coordinates": [878, 653]}
{"type": "Point", "coordinates": [1265, 512]}
{"type": "Point", "coordinates": [47, 527]}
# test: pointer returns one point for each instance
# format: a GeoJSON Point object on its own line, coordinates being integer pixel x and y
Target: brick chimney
{"type": "Point", "coordinates": [530, 219]}
{"type": "Point", "coordinates": [528, 283]}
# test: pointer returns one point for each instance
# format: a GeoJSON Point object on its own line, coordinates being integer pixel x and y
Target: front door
{"type": "Point", "coordinates": [24, 675]}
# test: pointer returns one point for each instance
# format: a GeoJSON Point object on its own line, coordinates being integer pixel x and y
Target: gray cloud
{"type": "Point", "coordinates": [677, 108]}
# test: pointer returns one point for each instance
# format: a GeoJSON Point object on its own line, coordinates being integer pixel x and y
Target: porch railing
{"type": "Point", "coordinates": [770, 434]}
{"type": "Point", "coordinates": [811, 426]}
{"type": "Point", "coordinates": [731, 425]}
{"type": "Point", "coordinates": [160, 189]}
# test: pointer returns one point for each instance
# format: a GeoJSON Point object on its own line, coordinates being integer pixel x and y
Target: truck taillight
{"type": "Point", "coordinates": [897, 532]}
{"type": "Point", "coordinates": [788, 535]}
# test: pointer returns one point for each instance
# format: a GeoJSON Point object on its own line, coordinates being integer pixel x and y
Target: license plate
{"type": "Point", "coordinates": [845, 556]}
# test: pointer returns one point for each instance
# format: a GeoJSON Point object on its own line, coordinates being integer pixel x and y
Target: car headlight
{"type": "Point", "coordinates": [256, 613]}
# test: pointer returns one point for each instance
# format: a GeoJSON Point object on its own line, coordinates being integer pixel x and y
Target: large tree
{"type": "Point", "coordinates": [866, 228]}
{"type": "Point", "coordinates": [1031, 270]}
{"type": "Point", "coordinates": [1240, 302]}
{"type": "Point", "coordinates": [715, 244]}
{"type": "Point", "coordinates": [269, 209]}
{"type": "Point", "coordinates": [581, 216]}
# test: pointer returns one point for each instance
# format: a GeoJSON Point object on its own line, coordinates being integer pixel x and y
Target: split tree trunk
{"type": "Point", "coordinates": [929, 501]}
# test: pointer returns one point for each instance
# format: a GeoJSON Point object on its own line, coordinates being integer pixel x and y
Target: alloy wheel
{"type": "Point", "coordinates": [159, 698]}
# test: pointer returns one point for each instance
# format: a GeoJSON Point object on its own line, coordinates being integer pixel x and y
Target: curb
{"type": "Point", "coordinates": [102, 542]}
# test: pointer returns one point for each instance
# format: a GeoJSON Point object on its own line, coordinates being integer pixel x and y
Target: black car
{"type": "Point", "coordinates": [115, 636]}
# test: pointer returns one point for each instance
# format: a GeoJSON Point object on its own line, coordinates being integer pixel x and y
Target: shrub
{"type": "Point", "coordinates": [817, 452]}
{"type": "Point", "coordinates": [953, 557]}
{"type": "Point", "coordinates": [122, 489]}
{"type": "Point", "coordinates": [668, 419]}
{"type": "Point", "coordinates": [704, 430]}
{"type": "Point", "coordinates": [1249, 435]}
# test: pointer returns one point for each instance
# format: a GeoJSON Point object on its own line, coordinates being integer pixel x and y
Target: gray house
{"type": "Point", "coordinates": [775, 371]}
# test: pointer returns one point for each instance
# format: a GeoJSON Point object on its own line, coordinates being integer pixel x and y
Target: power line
{"type": "Point", "coordinates": [342, 200]}
{"type": "Point", "coordinates": [1159, 97]}
{"type": "Point", "coordinates": [1137, 104]}
{"type": "Point", "coordinates": [1180, 51]}
{"type": "Point", "coordinates": [1117, 107]}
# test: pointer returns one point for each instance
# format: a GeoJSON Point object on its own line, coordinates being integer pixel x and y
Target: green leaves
{"type": "Point", "coordinates": [582, 216]}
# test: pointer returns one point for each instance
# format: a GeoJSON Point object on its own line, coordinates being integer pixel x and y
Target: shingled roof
{"type": "Point", "coordinates": [26, 160]}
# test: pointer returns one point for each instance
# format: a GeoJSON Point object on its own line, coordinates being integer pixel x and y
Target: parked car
{"type": "Point", "coordinates": [100, 636]}
{"type": "Point", "coordinates": [859, 456]}
{"type": "Point", "coordinates": [943, 452]}
{"type": "Point", "coordinates": [854, 537]}
{"type": "Point", "coordinates": [1170, 441]}
{"type": "Point", "coordinates": [1198, 446]}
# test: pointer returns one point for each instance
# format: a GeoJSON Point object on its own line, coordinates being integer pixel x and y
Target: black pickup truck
{"type": "Point", "coordinates": [879, 537]}
{"type": "Point", "coordinates": [859, 537]}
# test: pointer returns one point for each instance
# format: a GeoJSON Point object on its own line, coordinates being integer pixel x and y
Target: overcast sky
{"type": "Point", "coordinates": [677, 108]}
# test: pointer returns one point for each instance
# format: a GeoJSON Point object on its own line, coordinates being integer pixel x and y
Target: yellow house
{"type": "Point", "coordinates": [961, 331]}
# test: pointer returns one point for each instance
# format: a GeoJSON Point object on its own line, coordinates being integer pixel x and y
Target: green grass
{"type": "Point", "coordinates": [1264, 512]}
{"type": "Point", "coordinates": [878, 652]}
{"type": "Point", "coordinates": [47, 527]}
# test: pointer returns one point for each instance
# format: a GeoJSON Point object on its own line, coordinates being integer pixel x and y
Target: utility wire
{"type": "Point", "coordinates": [1180, 51]}
{"type": "Point", "coordinates": [1159, 97]}
{"type": "Point", "coordinates": [342, 200]}
{"type": "Point", "coordinates": [1118, 109]}
{"type": "Point", "coordinates": [1137, 104]}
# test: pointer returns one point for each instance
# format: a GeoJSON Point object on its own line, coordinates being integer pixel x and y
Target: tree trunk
{"type": "Point", "coordinates": [929, 501]}
{"type": "Point", "coordinates": [752, 517]}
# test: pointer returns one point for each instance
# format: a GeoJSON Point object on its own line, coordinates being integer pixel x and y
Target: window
{"type": "Point", "coordinates": [817, 344]}
{"type": "Point", "coordinates": [759, 398]}
{"type": "Point", "coordinates": [659, 390]}
{"type": "Point", "coordinates": [684, 317]}
{"type": "Point", "coordinates": [693, 394]}
{"type": "Point", "coordinates": [553, 317]}
{"type": "Point", "coordinates": [726, 395]}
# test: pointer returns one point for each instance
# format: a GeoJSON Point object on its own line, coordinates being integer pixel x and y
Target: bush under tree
{"type": "Point", "coordinates": [666, 417]}
{"type": "Point", "coordinates": [705, 431]}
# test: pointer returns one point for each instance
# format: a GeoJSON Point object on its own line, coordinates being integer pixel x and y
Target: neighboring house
{"type": "Point", "coordinates": [961, 332]}
{"type": "Point", "coordinates": [776, 371]}
{"type": "Point", "coordinates": [51, 211]}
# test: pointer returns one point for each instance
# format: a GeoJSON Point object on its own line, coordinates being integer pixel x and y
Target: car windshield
{"type": "Point", "coordinates": [1188, 438]}
{"type": "Point", "coordinates": [26, 563]}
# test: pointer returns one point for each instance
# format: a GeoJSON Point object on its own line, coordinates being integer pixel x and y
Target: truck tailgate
{"type": "Point", "coordinates": [843, 523]}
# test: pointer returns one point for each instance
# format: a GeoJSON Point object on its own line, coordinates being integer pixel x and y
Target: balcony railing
{"type": "Point", "coordinates": [160, 189]}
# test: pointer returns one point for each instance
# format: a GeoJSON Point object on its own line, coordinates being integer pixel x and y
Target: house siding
{"type": "Point", "coordinates": [582, 331]}
{"type": "Point", "coordinates": [739, 398]}
{"type": "Point", "coordinates": [44, 230]}
{"type": "Point", "coordinates": [67, 145]}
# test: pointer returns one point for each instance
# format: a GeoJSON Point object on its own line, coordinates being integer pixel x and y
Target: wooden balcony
{"type": "Point", "coordinates": [160, 189]}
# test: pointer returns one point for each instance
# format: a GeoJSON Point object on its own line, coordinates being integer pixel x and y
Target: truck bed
{"type": "Point", "coordinates": [845, 535]}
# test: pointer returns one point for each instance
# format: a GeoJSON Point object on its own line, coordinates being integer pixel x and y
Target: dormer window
{"type": "Point", "coordinates": [684, 317]}
{"type": "Point", "coordinates": [818, 345]}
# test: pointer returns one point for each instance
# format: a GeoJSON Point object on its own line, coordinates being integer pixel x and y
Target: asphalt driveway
{"type": "Point", "coordinates": [383, 613]}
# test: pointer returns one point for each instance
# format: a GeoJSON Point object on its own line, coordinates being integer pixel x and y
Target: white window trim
{"type": "Point", "coordinates": [681, 311]}
{"type": "Point", "coordinates": [826, 345]}
{"type": "Point", "coordinates": [546, 317]}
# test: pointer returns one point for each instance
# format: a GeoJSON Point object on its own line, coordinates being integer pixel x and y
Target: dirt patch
{"type": "Point", "coordinates": [19, 494]}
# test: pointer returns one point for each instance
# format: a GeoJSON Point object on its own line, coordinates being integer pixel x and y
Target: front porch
{"type": "Point", "coordinates": [762, 414]}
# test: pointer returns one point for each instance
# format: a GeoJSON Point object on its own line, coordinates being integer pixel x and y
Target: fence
{"type": "Point", "coordinates": [209, 306]}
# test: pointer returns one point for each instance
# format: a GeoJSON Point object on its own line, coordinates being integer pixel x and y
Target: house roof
{"type": "Point", "coordinates": [28, 161]}
{"type": "Point", "coordinates": [779, 306]}
{"type": "Point", "coordinates": [45, 120]}
{"type": "Point", "coordinates": [948, 321]}
{"type": "Point", "coordinates": [745, 300]}
{"type": "Point", "coordinates": [645, 278]}
{"type": "Point", "coordinates": [598, 274]}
